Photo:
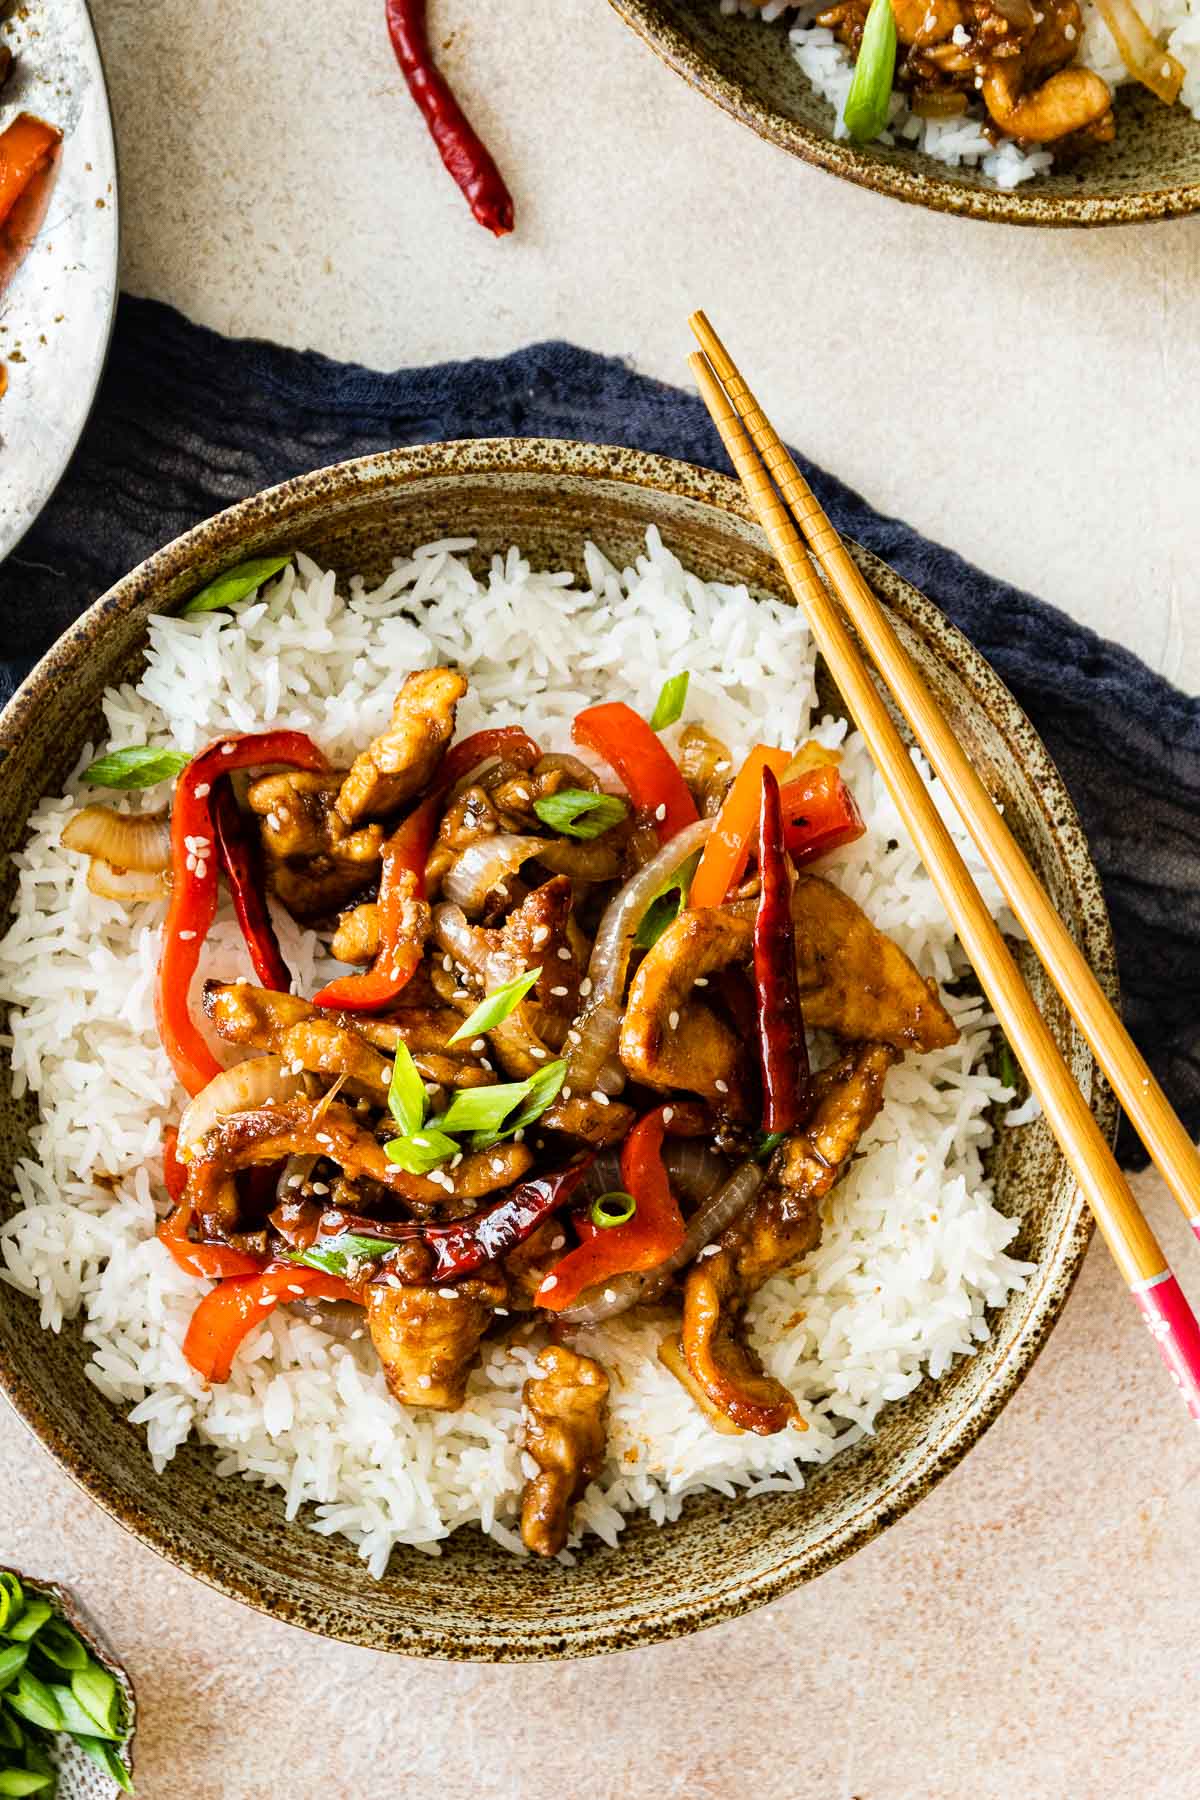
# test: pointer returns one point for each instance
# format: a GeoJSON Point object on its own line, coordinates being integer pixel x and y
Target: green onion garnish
{"type": "Point", "coordinates": [25, 1781]}
{"type": "Point", "coordinates": [667, 904]}
{"type": "Point", "coordinates": [406, 1092]}
{"type": "Point", "coordinates": [577, 813]}
{"type": "Point", "coordinates": [31, 1620]}
{"type": "Point", "coordinates": [767, 1145]}
{"type": "Point", "coordinates": [616, 1208]}
{"type": "Point", "coordinates": [49, 1683]}
{"type": "Point", "coordinates": [1007, 1066]}
{"type": "Point", "coordinates": [671, 700]}
{"type": "Point", "coordinates": [334, 1256]}
{"type": "Point", "coordinates": [12, 1598]}
{"type": "Point", "coordinates": [109, 1761]}
{"type": "Point", "coordinates": [141, 766]}
{"type": "Point", "coordinates": [496, 1007]}
{"type": "Point", "coordinates": [234, 585]}
{"type": "Point", "coordinates": [543, 1088]}
{"type": "Point", "coordinates": [870, 93]}
{"type": "Point", "coordinates": [12, 1660]}
{"type": "Point", "coordinates": [420, 1151]}
{"type": "Point", "coordinates": [35, 1702]}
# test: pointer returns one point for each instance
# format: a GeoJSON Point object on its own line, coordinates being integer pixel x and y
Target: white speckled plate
{"type": "Point", "coordinates": [56, 311]}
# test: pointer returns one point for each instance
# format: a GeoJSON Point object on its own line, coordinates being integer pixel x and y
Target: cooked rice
{"type": "Point", "coordinates": [963, 141]}
{"type": "Point", "coordinates": [913, 1250]}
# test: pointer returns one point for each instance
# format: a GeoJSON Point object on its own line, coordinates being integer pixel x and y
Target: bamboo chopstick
{"type": "Point", "coordinates": [1149, 1111]}
{"type": "Point", "coordinates": [1130, 1239]}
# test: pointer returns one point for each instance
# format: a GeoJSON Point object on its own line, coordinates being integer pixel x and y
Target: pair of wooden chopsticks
{"type": "Point", "coordinates": [771, 478]}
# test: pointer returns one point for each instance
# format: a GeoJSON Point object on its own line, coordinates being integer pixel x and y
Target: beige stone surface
{"type": "Point", "coordinates": [1029, 1631]}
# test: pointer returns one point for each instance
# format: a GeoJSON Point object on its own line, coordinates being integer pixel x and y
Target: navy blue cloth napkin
{"type": "Point", "coordinates": [188, 421]}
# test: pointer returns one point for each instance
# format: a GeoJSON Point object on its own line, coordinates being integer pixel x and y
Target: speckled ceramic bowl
{"type": "Point", "coordinates": [1151, 170]}
{"type": "Point", "coordinates": [721, 1558]}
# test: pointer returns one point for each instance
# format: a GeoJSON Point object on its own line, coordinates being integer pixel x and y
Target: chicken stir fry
{"type": "Point", "coordinates": [563, 1072]}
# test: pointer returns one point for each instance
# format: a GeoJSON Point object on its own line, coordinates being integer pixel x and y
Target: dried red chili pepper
{"type": "Point", "coordinates": [240, 856]}
{"type": "Point", "coordinates": [782, 1049]}
{"type": "Point", "coordinates": [460, 147]}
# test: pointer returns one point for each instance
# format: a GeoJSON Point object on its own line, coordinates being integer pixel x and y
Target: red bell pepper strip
{"type": "Point", "coordinates": [464, 154]}
{"type": "Point", "coordinates": [819, 814]}
{"type": "Point", "coordinates": [26, 147]}
{"type": "Point", "coordinates": [230, 1312]}
{"type": "Point", "coordinates": [655, 1231]}
{"type": "Point", "coordinates": [652, 780]}
{"type": "Point", "coordinates": [782, 1048]}
{"type": "Point", "coordinates": [174, 1171]}
{"type": "Point", "coordinates": [463, 1247]}
{"type": "Point", "coordinates": [240, 856]}
{"type": "Point", "coordinates": [403, 879]}
{"type": "Point", "coordinates": [194, 885]}
{"type": "Point", "coordinates": [728, 849]}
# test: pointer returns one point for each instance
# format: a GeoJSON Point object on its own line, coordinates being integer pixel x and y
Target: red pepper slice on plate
{"type": "Point", "coordinates": [240, 856]}
{"type": "Point", "coordinates": [459, 145]}
{"type": "Point", "coordinates": [403, 879]}
{"type": "Point", "coordinates": [194, 885]}
{"type": "Point", "coordinates": [728, 849]}
{"type": "Point", "coordinates": [230, 1312]}
{"type": "Point", "coordinates": [655, 1231]}
{"type": "Point", "coordinates": [652, 780]}
{"type": "Point", "coordinates": [782, 1047]}
{"type": "Point", "coordinates": [819, 814]}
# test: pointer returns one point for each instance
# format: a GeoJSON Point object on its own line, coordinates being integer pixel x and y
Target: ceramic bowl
{"type": "Point", "coordinates": [721, 1558]}
{"type": "Point", "coordinates": [1150, 171]}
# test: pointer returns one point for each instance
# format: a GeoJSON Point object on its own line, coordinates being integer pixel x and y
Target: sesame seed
{"type": "Point", "coordinates": [557, 1242]}
{"type": "Point", "coordinates": [456, 1159]}
{"type": "Point", "coordinates": [202, 791]}
{"type": "Point", "coordinates": [478, 1046]}
{"type": "Point", "coordinates": [320, 1187]}
{"type": "Point", "coordinates": [501, 1312]}
{"type": "Point", "coordinates": [448, 964]}
{"type": "Point", "coordinates": [448, 1293]}
{"type": "Point", "coordinates": [187, 936]}
{"type": "Point", "coordinates": [558, 992]}
{"type": "Point", "coordinates": [295, 1181]}
{"type": "Point", "coordinates": [585, 987]}
{"type": "Point", "coordinates": [700, 981]}
{"type": "Point", "coordinates": [394, 1281]}
{"type": "Point", "coordinates": [269, 1299]}
{"type": "Point", "coordinates": [424, 1381]}
{"type": "Point", "coordinates": [660, 811]}
{"type": "Point", "coordinates": [357, 1332]}
{"type": "Point", "coordinates": [708, 1250]}
{"type": "Point", "coordinates": [550, 1281]}
{"type": "Point", "coordinates": [1166, 70]}
{"type": "Point", "coordinates": [572, 1036]}
{"type": "Point", "coordinates": [600, 1097]}
{"type": "Point", "coordinates": [461, 994]}
{"type": "Point", "coordinates": [201, 870]}
{"type": "Point", "coordinates": [497, 1166]}
{"type": "Point", "coordinates": [566, 1093]}
{"type": "Point", "coordinates": [485, 1064]}
{"type": "Point", "coordinates": [564, 955]}
{"type": "Point", "coordinates": [722, 1087]}
{"type": "Point", "coordinates": [538, 1054]}
{"type": "Point", "coordinates": [610, 1295]}
{"type": "Point", "coordinates": [668, 1114]}
{"type": "Point", "coordinates": [1070, 33]}
{"type": "Point", "coordinates": [541, 933]}
{"type": "Point", "coordinates": [295, 1290]}
{"type": "Point", "coordinates": [273, 821]}
{"type": "Point", "coordinates": [673, 1020]}
{"type": "Point", "coordinates": [226, 749]}
{"type": "Point", "coordinates": [323, 1137]}
{"type": "Point", "coordinates": [720, 767]}
{"type": "Point", "coordinates": [190, 861]}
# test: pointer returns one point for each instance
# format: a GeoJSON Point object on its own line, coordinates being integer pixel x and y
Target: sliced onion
{"type": "Point", "coordinates": [123, 884]}
{"type": "Point", "coordinates": [287, 1187]}
{"type": "Point", "coordinates": [484, 868]}
{"type": "Point", "coordinates": [624, 1291]}
{"type": "Point", "coordinates": [126, 840]}
{"type": "Point", "coordinates": [468, 945]}
{"type": "Point", "coordinates": [695, 1169]}
{"type": "Point", "coordinates": [249, 1084]}
{"type": "Point", "coordinates": [593, 1060]}
{"type": "Point", "coordinates": [582, 860]}
{"type": "Point", "coordinates": [1141, 51]}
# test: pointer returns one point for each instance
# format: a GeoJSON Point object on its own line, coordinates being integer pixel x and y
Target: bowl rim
{"type": "Point", "coordinates": [900, 181]}
{"type": "Point", "coordinates": [212, 544]}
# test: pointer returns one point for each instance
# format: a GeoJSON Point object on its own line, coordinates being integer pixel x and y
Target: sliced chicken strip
{"type": "Point", "coordinates": [566, 1404]}
{"type": "Point", "coordinates": [315, 864]}
{"type": "Point", "coordinates": [427, 1338]}
{"type": "Point", "coordinates": [403, 759]}
{"type": "Point", "coordinates": [668, 1039]}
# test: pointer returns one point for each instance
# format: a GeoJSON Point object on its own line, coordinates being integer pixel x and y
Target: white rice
{"type": "Point", "coordinates": [913, 1251]}
{"type": "Point", "coordinates": [963, 141]}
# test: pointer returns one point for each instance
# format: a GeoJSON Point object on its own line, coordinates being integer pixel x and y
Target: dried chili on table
{"type": "Point", "coordinates": [782, 1049]}
{"type": "Point", "coordinates": [403, 878]}
{"type": "Point", "coordinates": [462, 150]}
{"type": "Point", "coordinates": [194, 885]}
{"type": "Point", "coordinates": [240, 857]}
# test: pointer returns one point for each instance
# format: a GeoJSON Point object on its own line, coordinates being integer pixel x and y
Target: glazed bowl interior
{"type": "Point", "coordinates": [721, 1558]}
{"type": "Point", "coordinates": [1150, 171]}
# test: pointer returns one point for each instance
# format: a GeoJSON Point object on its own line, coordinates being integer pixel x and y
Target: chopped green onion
{"type": "Point", "coordinates": [670, 703]}
{"type": "Point", "coordinates": [141, 766]}
{"type": "Point", "coordinates": [406, 1092]}
{"type": "Point", "coordinates": [12, 1661]}
{"type": "Point", "coordinates": [420, 1151]}
{"type": "Point", "coordinates": [483, 1108]}
{"type": "Point", "coordinates": [1007, 1066]}
{"type": "Point", "coordinates": [24, 1781]}
{"type": "Point", "coordinates": [335, 1255]}
{"type": "Point", "coordinates": [109, 1761]}
{"type": "Point", "coordinates": [234, 585]}
{"type": "Point", "coordinates": [870, 93]}
{"type": "Point", "coordinates": [543, 1089]}
{"type": "Point", "coordinates": [11, 1735]}
{"type": "Point", "coordinates": [31, 1621]}
{"type": "Point", "coordinates": [35, 1702]}
{"type": "Point", "coordinates": [61, 1645]}
{"type": "Point", "coordinates": [666, 906]}
{"type": "Point", "coordinates": [616, 1208]}
{"type": "Point", "coordinates": [495, 1008]}
{"type": "Point", "coordinates": [12, 1598]}
{"type": "Point", "coordinates": [76, 1718]}
{"type": "Point", "coordinates": [767, 1145]}
{"type": "Point", "coordinates": [579, 814]}
{"type": "Point", "coordinates": [96, 1692]}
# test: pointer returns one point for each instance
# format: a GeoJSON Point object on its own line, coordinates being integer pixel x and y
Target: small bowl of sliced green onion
{"type": "Point", "coordinates": [67, 1707]}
